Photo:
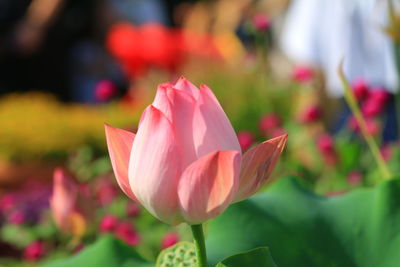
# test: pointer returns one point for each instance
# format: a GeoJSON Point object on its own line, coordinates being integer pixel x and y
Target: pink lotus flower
{"type": "Point", "coordinates": [185, 163]}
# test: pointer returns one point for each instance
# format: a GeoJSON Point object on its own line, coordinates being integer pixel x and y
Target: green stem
{"type": "Point", "coordinates": [198, 237]}
{"type": "Point", "coordinates": [352, 102]}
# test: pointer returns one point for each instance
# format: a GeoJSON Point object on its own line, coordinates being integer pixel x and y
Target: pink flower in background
{"type": "Point", "coordinates": [326, 145]}
{"type": "Point", "coordinates": [246, 139]}
{"type": "Point", "coordinates": [375, 103]}
{"type": "Point", "coordinates": [17, 217]}
{"type": "Point", "coordinates": [270, 122]}
{"type": "Point", "coordinates": [132, 210]}
{"type": "Point", "coordinates": [386, 152]}
{"type": "Point", "coordinates": [169, 240]}
{"type": "Point", "coordinates": [312, 114]}
{"type": "Point", "coordinates": [8, 202]}
{"type": "Point", "coordinates": [63, 199]}
{"type": "Point", "coordinates": [106, 192]}
{"type": "Point", "coordinates": [302, 74]}
{"type": "Point", "coordinates": [372, 125]}
{"type": "Point", "coordinates": [105, 90]}
{"type": "Point", "coordinates": [354, 178]}
{"type": "Point", "coordinates": [261, 22]}
{"type": "Point", "coordinates": [185, 163]}
{"type": "Point", "coordinates": [108, 223]}
{"type": "Point", "coordinates": [360, 89]}
{"type": "Point", "coordinates": [34, 251]}
{"type": "Point", "coordinates": [126, 232]}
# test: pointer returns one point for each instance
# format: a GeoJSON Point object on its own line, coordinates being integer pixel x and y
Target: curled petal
{"type": "Point", "coordinates": [155, 166]}
{"type": "Point", "coordinates": [257, 165]}
{"type": "Point", "coordinates": [185, 85]}
{"type": "Point", "coordinates": [213, 131]}
{"type": "Point", "coordinates": [207, 186]}
{"type": "Point", "coordinates": [119, 143]}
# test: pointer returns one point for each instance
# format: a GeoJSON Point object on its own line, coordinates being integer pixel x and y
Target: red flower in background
{"type": "Point", "coordinates": [34, 251]}
{"type": "Point", "coordinates": [270, 122]}
{"type": "Point", "coordinates": [105, 90]}
{"type": "Point", "coordinates": [311, 114]}
{"type": "Point", "coordinates": [261, 22]}
{"type": "Point", "coordinates": [326, 146]}
{"type": "Point", "coordinates": [246, 139]}
{"type": "Point", "coordinates": [169, 240]}
{"type": "Point", "coordinates": [360, 89]}
{"type": "Point", "coordinates": [302, 74]}
{"type": "Point", "coordinates": [140, 48]}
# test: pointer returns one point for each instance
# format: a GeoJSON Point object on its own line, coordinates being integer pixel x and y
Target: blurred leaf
{"type": "Point", "coordinates": [17, 235]}
{"type": "Point", "coordinates": [181, 254]}
{"type": "Point", "coordinates": [106, 252]}
{"type": "Point", "coordinates": [259, 257]}
{"type": "Point", "coordinates": [360, 228]}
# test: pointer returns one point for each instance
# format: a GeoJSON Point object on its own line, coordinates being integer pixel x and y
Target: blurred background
{"type": "Point", "coordinates": [68, 66]}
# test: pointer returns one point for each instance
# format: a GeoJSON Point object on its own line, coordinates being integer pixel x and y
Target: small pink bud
{"type": "Point", "coordinates": [360, 89]}
{"type": "Point", "coordinates": [372, 107]}
{"type": "Point", "coordinates": [354, 178]}
{"type": "Point", "coordinates": [126, 232]}
{"type": "Point", "coordinates": [261, 22]}
{"type": "Point", "coordinates": [302, 74]}
{"type": "Point", "coordinates": [108, 223]}
{"type": "Point", "coordinates": [8, 202]}
{"type": "Point", "coordinates": [386, 152]}
{"type": "Point", "coordinates": [169, 240]}
{"type": "Point", "coordinates": [269, 122]}
{"type": "Point", "coordinates": [132, 209]}
{"type": "Point", "coordinates": [17, 217]}
{"type": "Point", "coordinates": [246, 139]}
{"type": "Point", "coordinates": [34, 251]}
{"type": "Point", "coordinates": [105, 90]}
{"type": "Point", "coordinates": [325, 143]}
{"type": "Point", "coordinates": [311, 114]}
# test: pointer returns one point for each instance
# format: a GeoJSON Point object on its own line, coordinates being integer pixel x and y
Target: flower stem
{"type": "Point", "coordinates": [198, 238]}
{"type": "Point", "coordinates": [352, 102]}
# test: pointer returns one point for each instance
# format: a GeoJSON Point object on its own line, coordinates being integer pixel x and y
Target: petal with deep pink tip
{"type": "Point", "coordinates": [186, 86]}
{"type": "Point", "coordinates": [207, 186]}
{"type": "Point", "coordinates": [257, 165]}
{"type": "Point", "coordinates": [155, 166]}
{"type": "Point", "coordinates": [119, 143]}
{"type": "Point", "coordinates": [178, 107]}
{"type": "Point", "coordinates": [212, 128]}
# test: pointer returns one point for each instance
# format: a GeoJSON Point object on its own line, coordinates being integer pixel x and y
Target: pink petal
{"type": "Point", "coordinates": [178, 107]}
{"type": "Point", "coordinates": [186, 86]}
{"type": "Point", "coordinates": [211, 128]}
{"type": "Point", "coordinates": [119, 143]}
{"type": "Point", "coordinates": [63, 199]}
{"type": "Point", "coordinates": [207, 186]}
{"type": "Point", "coordinates": [155, 166]}
{"type": "Point", "coordinates": [258, 163]}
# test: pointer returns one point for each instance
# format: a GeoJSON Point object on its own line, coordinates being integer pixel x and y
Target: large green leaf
{"type": "Point", "coordinates": [361, 228]}
{"type": "Point", "coordinates": [106, 252]}
{"type": "Point", "coordinates": [259, 257]}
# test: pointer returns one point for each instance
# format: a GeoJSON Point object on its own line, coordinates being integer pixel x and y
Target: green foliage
{"type": "Point", "coordinates": [181, 254]}
{"type": "Point", "coordinates": [259, 257]}
{"type": "Point", "coordinates": [360, 228]}
{"type": "Point", "coordinates": [106, 252]}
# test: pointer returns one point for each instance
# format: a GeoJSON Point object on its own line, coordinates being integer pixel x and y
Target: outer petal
{"type": "Point", "coordinates": [178, 107]}
{"type": "Point", "coordinates": [63, 199]}
{"type": "Point", "coordinates": [207, 186]}
{"type": "Point", "coordinates": [155, 166]}
{"type": "Point", "coordinates": [185, 85]}
{"type": "Point", "coordinates": [119, 143]}
{"type": "Point", "coordinates": [257, 165]}
{"type": "Point", "coordinates": [212, 129]}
